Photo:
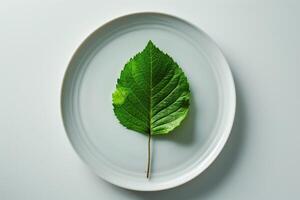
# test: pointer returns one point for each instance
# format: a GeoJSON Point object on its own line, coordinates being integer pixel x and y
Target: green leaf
{"type": "Point", "coordinates": [152, 94]}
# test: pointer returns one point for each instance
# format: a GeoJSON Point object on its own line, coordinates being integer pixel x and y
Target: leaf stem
{"type": "Point", "coordinates": [149, 156]}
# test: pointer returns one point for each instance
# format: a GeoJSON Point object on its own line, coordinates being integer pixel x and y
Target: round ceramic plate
{"type": "Point", "coordinates": [119, 155]}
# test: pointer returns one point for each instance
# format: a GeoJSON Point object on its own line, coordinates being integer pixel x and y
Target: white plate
{"type": "Point", "coordinates": [119, 155]}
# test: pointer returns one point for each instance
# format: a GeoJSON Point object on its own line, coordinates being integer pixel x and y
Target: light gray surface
{"type": "Point", "coordinates": [260, 40]}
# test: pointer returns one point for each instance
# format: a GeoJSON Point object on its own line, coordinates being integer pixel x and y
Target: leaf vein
{"type": "Point", "coordinates": [167, 95]}
{"type": "Point", "coordinates": [168, 106]}
{"type": "Point", "coordinates": [138, 119]}
{"type": "Point", "coordinates": [167, 116]}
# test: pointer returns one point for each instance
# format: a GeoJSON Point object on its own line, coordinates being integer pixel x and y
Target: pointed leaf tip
{"type": "Point", "coordinates": [150, 43]}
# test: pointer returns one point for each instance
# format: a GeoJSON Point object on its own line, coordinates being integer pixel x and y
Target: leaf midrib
{"type": "Point", "coordinates": [150, 102]}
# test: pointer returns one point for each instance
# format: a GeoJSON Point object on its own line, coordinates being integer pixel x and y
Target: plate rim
{"type": "Point", "coordinates": [219, 145]}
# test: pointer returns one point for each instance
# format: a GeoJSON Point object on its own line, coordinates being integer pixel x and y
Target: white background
{"type": "Point", "coordinates": [261, 40]}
